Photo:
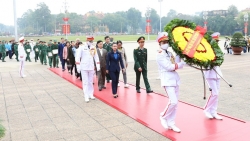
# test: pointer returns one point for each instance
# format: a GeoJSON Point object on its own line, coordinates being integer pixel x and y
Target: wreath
{"type": "Point", "coordinates": [207, 53]}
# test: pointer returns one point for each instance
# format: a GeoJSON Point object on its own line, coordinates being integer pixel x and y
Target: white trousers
{"type": "Point", "coordinates": [169, 112]}
{"type": "Point", "coordinates": [87, 83]}
{"type": "Point", "coordinates": [212, 102]}
{"type": "Point", "coordinates": [21, 68]}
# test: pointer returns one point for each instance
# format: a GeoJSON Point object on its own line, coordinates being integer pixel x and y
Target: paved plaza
{"type": "Point", "coordinates": [44, 106]}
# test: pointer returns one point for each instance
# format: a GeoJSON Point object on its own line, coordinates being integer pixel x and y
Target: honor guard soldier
{"type": "Point", "coordinates": [108, 46]}
{"type": "Point", "coordinates": [49, 53]}
{"type": "Point", "coordinates": [140, 66]}
{"type": "Point", "coordinates": [36, 50]}
{"type": "Point", "coordinates": [170, 81]}
{"type": "Point", "coordinates": [21, 56]}
{"type": "Point", "coordinates": [85, 64]}
{"type": "Point", "coordinates": [54, 48]}
{"type": "Point", "coordinates": [213, 80]}
{"type": "Point", "coordinates": [27, 48]}
{"type": "Point", "coordinates": [3, 50]}
{"type": "Point", "coordinates": [16, 51]}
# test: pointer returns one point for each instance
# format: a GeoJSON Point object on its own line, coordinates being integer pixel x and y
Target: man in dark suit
{"type": "Point", "coordinates": [60, 52]}
{"type": "Point", "coordinates": [102, 54]}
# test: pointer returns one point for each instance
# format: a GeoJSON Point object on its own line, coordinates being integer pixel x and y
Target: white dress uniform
{"type": "Point", "coordinates": [213, 80]}
{"type": "Point", "coordinates": [32, 53]}
{"type": "Point", "coordinates": [85, 64]}
{"type": "Point", "coordinates": [21, 57]}
{"type": "Point", "coordinates": [170, 80]}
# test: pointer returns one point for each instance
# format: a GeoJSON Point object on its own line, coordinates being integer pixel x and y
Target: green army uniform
{"type": "Point", "coordinates": [3, 51]}
{"type": "Point", "coordinates": [27, 48]}
{"type": "Point", "coordinates": [36, 49]}
{"type": "Point", "coordinates": [16, 51]}
{"type": "Point", "coordinates": [108, 47]}
{"type": "Point", "coordinates": [43, 54]}
{"type": "Point", "coordinates": [55, 55]}
{"type": "Point", "coordinates": [140, 59]}
{"type": "Point", "coordinates": [49, 54]}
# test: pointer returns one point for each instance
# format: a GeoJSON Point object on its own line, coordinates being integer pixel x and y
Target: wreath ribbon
{"type": "Point", "coordinates": [194, 41]}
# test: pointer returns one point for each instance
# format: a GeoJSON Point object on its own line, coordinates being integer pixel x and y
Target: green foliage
{"type": "Point", "coordinates": [192, 61]}
{"type": "Point", "coordinates": [2, 131]}
{"type": "Point", "coordinates": [237, 40]}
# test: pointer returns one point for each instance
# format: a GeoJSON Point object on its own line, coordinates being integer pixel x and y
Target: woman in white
{"type": "Point", "coordinates": [21, 57]}
{"type": "Point", "coordinates": [85, 65]}
{"type": "Point", "coordinates": [125, 62]}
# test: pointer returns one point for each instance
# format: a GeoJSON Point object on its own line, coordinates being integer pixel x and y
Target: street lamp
{"type": "Point", "coordinates": [15, 20]}
{"type": "Point", "coordinates": [148, 12]}
{"type": "Point", "coordinates": [205, 13]}
{"type": "Point", "coordinates": [160, 13]}
{"type": "Point", "coordinates": [246, 20]}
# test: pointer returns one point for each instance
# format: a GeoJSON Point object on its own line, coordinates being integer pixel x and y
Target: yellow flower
{"type": "Point", "coordinates": [204, 51]}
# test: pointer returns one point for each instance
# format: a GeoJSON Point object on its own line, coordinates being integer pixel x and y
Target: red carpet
{"type": "Point", "coordinates": [190, 119]}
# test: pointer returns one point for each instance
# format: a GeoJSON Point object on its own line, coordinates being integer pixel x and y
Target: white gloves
{"type": "Point", "coordinates": [78, 68]}
{"type": "Point", "coordinates": [181, 64]}
{"type": "Point", "coordinates": [177, 59]}
{"type": "Point", "coordinates": [98, 69]}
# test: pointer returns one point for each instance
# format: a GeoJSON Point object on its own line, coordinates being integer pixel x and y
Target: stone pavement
{"type": "Point", "coordinates": [43, 106]}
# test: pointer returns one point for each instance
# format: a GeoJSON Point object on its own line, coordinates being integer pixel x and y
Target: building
{"type": "Point", "coordinates": [101, 27]}
{"type": "Point", "coordinates": [212, 13]}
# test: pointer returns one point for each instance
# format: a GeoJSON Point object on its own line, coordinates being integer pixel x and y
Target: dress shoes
{"type": "Point", "coordinates": [87, 100]}
{"type": "Point", "coordinates": [100, 89]}
{"type": "Point", "coordinates": [208, 115]}
{"type": "Point", "coordinates": [104, 87]}
{"type": "Point", "coordinates": [174, 128]}
{"type": "Point", "coordinates": [138, 91]}
{"type": "Point", "coordinates": [93, 98]}
{"type": "Point", "coordinates": [150, 91]}
{"type": "Point", "coordinates": [216, 116]}
{"type": "Point", "coordinates": [164, 122]}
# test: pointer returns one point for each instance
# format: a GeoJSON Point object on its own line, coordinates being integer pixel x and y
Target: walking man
{"type": "Point", "coordinates": [140, 67]}
{"type": "Point", "coordinates": [85, 64]}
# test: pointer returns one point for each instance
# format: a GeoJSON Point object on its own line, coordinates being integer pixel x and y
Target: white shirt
{"type": "Point", "coordinates": [21, 52]}
{"type": "Point", "coordinates": [84, 60]}
{"type": "Point", "coordinates": [100, 51]}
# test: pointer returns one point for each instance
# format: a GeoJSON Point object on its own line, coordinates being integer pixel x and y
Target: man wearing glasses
{"type": "Point", "coordinates": [140, 58]}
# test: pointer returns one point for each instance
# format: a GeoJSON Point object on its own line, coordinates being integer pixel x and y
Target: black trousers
{"type": "Point", "coordinates": [115, 79]}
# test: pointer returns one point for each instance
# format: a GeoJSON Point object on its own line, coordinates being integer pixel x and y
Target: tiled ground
{"type": "Point", "coordinates": [44, 106]}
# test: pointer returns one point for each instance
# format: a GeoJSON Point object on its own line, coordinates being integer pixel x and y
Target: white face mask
{"type": "Point", "coordinates": [89, 43]}
{"type": "Point", "coordinates": [164, 46]}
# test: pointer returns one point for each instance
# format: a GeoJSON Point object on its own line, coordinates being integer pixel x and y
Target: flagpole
{"type": "Point", "coordinates": [15, 20]}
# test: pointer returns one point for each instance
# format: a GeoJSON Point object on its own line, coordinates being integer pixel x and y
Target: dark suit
{"type": "Point", "coordinates": [112, 65]}
{"type": "Point", "coordinates": [102, 72]}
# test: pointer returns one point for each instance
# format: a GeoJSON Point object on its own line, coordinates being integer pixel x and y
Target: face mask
{"type": "Point", "coordinates": [164, 46]}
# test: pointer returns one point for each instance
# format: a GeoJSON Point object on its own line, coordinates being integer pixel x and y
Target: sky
{"type": "Point", "coordinates": [109, 6]}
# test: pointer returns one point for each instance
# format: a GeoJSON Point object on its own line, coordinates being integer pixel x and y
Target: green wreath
{"type": "Point", "coordinates": [208, 64]}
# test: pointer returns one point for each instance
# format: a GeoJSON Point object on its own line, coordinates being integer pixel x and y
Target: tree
{"type": "Point", "coordinates": [172, 13]}
{"type": "Point", "coordinates": [232, 10]}
{"type": "Point", "coordinates": [43, 16]}
{"type": "Point", "coordinates": [155, 20]}
{"type": "Point", "coordinates": [134, 18]}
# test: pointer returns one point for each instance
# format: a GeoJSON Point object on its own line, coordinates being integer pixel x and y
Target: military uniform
{"type": "Point", "coordinates": [21, 56]}
{"type": "Point", "coordinates": [3, 51]}
{"type": "Point", "coordinates": [108, 47]}
{"type": "Point", "coordinates": [140, 59]}
{"type": "Point", "coordinates": [170, 81]}
{"type": "Point", "coordinates": [213, 79]}
{"type": "Point", "coordinates": [27, 48]}
{"type": "Point", "coordinates": [49, 53]}
{"type": "Point", "coordinates": [54, 49]}
{"type": "Point", "coordinates": [43, 54]}
{"type": "Point", "coordinates": [36, 50]}
{"type": "Point", "coordinates": [86, 54]}
{"type": "Point", "coordinates": [16, 51]}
